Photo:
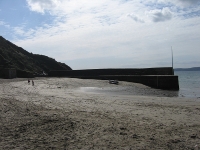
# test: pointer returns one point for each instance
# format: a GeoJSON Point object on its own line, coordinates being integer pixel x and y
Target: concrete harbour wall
{"type": "Point", "coordinates": [128, 71]}
{"type": "Point", "coordinates": [9, 73]}
{"type": "Point", "coordinates": [162, 78]}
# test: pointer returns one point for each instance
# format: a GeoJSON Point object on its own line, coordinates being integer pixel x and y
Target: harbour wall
{"type": "Point", "coordinates": [8, 73]}
{"type": "Point", "coordinates": [161, 78]}
{"type": "Point", "coordinates": [128, 71]}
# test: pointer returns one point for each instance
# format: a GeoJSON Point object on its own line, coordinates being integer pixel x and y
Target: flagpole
{"type": "Point", "coordinates": [172, 58]}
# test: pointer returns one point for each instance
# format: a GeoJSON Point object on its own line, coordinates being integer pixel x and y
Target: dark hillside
{"type": "Point", "coordinates": [16, 57]}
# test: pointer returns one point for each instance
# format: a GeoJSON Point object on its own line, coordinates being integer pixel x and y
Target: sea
{"type": "Point", "coordinates": [189, 83]}
{"type": "Point", "coordinates": [189, 86]}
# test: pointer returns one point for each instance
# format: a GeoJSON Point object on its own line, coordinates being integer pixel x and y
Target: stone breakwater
{"type": "Point", "coordinates": [162, 78]}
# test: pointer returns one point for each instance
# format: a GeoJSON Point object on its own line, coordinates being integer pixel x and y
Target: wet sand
{"type": "Point", "coordinates": [65, 113]}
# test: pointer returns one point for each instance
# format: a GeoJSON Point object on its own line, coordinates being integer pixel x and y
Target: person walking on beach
{"type": "Point", "coordinates": [28, 81]}
{"type": "Point", "coordinates": [32, 83]}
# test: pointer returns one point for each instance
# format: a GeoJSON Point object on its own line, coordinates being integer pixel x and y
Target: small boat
{"type": "Point", "coordinates": [113, 82]}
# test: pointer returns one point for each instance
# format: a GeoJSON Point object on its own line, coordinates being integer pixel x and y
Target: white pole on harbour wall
{"type": "Point", "coordinates": [172, 58]}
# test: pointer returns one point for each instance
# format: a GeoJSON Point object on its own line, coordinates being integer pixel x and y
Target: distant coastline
{"type": "Point", "coordinates": [187, 69]}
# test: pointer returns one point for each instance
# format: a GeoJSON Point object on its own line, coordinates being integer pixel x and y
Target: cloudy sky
{"type": "Point", "coordinates": [88, 34]}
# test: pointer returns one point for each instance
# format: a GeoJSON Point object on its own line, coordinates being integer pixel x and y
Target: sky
{"type": "Point", "coordinates": [92, 34]}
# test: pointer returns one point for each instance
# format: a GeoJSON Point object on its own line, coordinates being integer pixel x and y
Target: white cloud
{"type": "Point", "coordinates": [19, 31]}
{"type": "Point", "coordinates": [136, 18]}
{"type": "Point", "coordinates": [2, 23]}
{"type": "Point", "coordinates": [125, 30]}
{"type": "Point", "coordinates": [42, 5]}
{"type": "Point", "coordinates": [161, 15]}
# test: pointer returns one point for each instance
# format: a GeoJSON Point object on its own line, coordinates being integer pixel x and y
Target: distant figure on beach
{"type": "Point", "coordinates": [28, 81]}
{"type": "Point", "coordinates": [32, 83]}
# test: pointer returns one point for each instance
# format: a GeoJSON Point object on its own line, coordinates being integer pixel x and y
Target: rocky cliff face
{"type": "Point", "coordinates": [18, 58]}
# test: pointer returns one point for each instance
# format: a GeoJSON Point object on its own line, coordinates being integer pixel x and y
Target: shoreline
{"type": "Point", "coordinates": [130, 88]}
{"type": "Point", "coordinates": [56, 114]}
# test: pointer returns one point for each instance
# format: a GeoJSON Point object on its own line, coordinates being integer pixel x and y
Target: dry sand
{"type": "Point", "coordinates": [65, 113]}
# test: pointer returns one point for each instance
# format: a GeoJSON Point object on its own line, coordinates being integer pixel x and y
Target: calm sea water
{"type": "Point", "coordinates": [189, 83]}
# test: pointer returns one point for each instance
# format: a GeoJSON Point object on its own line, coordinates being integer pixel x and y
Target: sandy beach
{"type": "Point", "coordinates": [67, 113]}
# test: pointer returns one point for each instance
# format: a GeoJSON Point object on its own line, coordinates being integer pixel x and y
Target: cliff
{"type": "Point", "coordinates": [12, 56]}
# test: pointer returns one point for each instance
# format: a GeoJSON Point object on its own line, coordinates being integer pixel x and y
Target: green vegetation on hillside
{"type": "Point", "coordinates": [12, 56]}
